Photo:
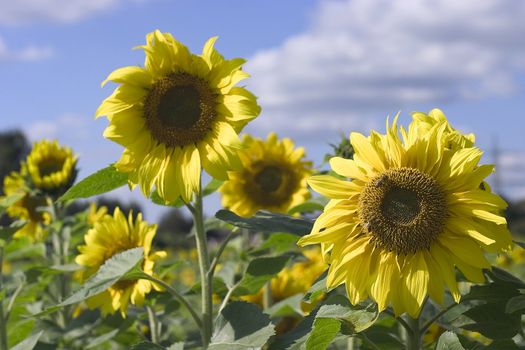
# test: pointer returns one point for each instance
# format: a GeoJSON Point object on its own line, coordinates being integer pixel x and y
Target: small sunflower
{"type": "Point", "coordinates": [51, 167]}
{"type": "Point", "coordinates": [273, 177]}
{"type": "Point", "coordinates": [111, 235]}
{"type": "Point", "coordinates": [30, 208]}
{"type": "Point", "coordinates": [413, 211]}
{"type": "Point", "coordinates": [295, 279]}
{"type": "Point", "coordinates": [177, 113]}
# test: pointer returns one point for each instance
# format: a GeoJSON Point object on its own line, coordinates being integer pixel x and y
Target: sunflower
{"type": "Point", "coordinates": [177, 113]}
{"type": "Point", "coordinates": [51, 167]}
{"type": "Point", "coordinates": [111, 235]}
{"type": "Point", "coordinates": [95, 214]}
{"type": "Point", "coordinates": [412, 212]}
{"type": "Point", "coordinates": [29, 208]}
{"type": "Point", "coordinates": [295, 279]}
{"type": "Point", "coordinates": [273, 177]}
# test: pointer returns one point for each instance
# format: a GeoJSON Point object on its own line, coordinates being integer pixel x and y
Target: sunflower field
{"type": "Point", "coordinates": [396, 242]}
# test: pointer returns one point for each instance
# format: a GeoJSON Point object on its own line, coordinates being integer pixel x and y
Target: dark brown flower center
{"type": "Point", "coordinates": [179, 109]}
{"type": "Point", "coordinates": [269, 178]}
{"type": "Point", "coordinates": [403, 209]}
{"type": "Point", "coordinates": [49, 166]}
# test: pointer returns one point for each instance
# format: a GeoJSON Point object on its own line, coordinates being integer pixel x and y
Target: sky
{"type": "Point", "coordinates": [320, 68]}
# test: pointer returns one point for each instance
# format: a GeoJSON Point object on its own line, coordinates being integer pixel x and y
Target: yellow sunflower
{"type": "Point", "coordinates": [111, 235]}
{"type": "Point", "coordinates": [412, 212]}
{"type": "Point", "coordinates": [95, 214]}
{"type": "Point", "coordinates": [177, 113]}
{"type": "Point", "coordinates": [295, 279]}
{"type": "Point", "coordinates": [273, 177]}
{"type": "Point", "coordinates": [29, 208]}
{"type": "Point", "coordinates": [51, 167]}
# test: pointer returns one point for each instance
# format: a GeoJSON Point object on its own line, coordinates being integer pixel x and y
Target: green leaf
{"type": "Point", "coordinates": [492, 292]}
{"type": "Point", "coordinates": [239, 326]}
{"type": "Point", "coordinates": [111, 272]}
{"type": "Point", "coordinates": [515, 304]}
{"type": "Point", "coordinates": [491, 320]}
{"type": "Point", "coordinates": [146, 345]}
{"type": "Point", "coordinates": [211, 187]}
{"type": "Point", "coordinates": [501, 276]}
{"type": "Point", "coordinates": [102, 339]}
{"type": "Point", "coordinates": [260, 271]}
{"type": "Point", "coordinates": [102, 181]}
{"type": "Point", "coordinates": [318, 288]}
{"type": "Point", "coordinates": [264, 221]}
{"type": "Point", "coordinates": [323, 333]}
{"type": "Point", "coordinates": [290, 306]}
{"type": "Point", "coordinates": [449, 341]}
{"type": "Point", "coordinates": [506, 344]}
{"type": "Point", "coordinates": [314, 204]}
{"type": "Point", "coordinates": [28, 343]}
{"type": "Point", "coordinates": [279, 243]}
{"type": "Point", "coordinates": [7, 232]}
{"type": "Point", "coordinates": [176, 346]}
{"type": "Point", "coordinates": [355, 318]}
{"type": "Point", "coordinates": [7, 201]}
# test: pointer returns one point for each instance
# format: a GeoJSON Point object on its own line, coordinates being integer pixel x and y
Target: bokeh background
{"type": "Point", "coordinates": [321, 68]}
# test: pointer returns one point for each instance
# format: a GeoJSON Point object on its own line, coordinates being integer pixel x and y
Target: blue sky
{"type": "Point", "coordinates": [320, 68]}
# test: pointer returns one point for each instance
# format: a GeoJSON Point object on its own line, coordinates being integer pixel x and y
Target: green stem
{"type": "Point", "coordinates": [427, 325]}
{"type": "Point", "coordinates": [414, 338]}
{"type": "Point", "coordinates": [177, 296]}
{"type": "Point", "coordinates": [153, 325]}
{"type": "Point", "coordinates": [3, 320]}
{"type": "Point", "coordinates": [204, 266]}
{"type": "Point", "coordinates": [267, 295]}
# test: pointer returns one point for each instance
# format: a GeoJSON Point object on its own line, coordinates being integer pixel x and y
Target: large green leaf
{"type": "Point", "coordinates": [506, 344]}
{"type": "Point", "coordinates": [323, 333]}
{"type": "Point", "coordinates": [449, 341]}
{"type": "Point", "coordinates": [279, 243]}
{"type": "Point", "coordinates": [492, 292]}
{"type": "Point", "coordinates": [491, 320]}
{"type": "Point", "coordinates": [146, 345]}
{"type": "Point", "coordinates": [503, 277]}
{"type": "Point", "coordinates": [176, 346]}
{"type": "Point", "coordinates": [355, 318]}
{"type": "Point", "coordinates": [290, 306]}
{"type": "Point", "coordinates": [264, 221]}
{"type": "Point", "coordinates": [102, 181]}
{"type": "Point", "coordinates": [241, 326]}
{"type": "Point", "coordinates": [101, 339]}
{"type": "Point", "coordinates": [259, 271]}
{"type": "Point", "coordinates": [515, 304]}
{"type": "Point", "coordinates": [28, 343]}
{"type": "Point", "coordinates": [111, 272]}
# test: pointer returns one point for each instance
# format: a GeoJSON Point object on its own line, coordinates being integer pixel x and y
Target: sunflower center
{"type": "Point", "coordinates": [179, 109]}
{"type": "Point", "coordinates": [49, 166]}
{"type": "Point", "coordinates": [403, 209]}
{"type": "Point", "coordinates": [269, 178]}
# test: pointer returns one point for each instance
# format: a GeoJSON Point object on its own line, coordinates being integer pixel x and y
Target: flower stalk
{"type": "Point", "coordinates": [414, 336]}
{"type": "Point", "coordinates": [204, 267]}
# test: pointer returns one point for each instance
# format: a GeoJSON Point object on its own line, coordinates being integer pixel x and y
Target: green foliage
{"type": "Point", "coordinates": [28, 343]}
{"type": "Point", "coordinates": [240, 326]}
{"type": "Point", "coordinates": [324, 330]}
{"type": "Point", "coordinates": [146, 345]}
{"type": "Point", "coordinates": [6, 202]}
{"type": "Point", "coordinates": [312, 205]}
{"type": "Point", "coordinates": [264, 221]}
{"type": "Point", "coordinates": [278, 243]}
{"type": "Point", "coordinates": [449, 341]}
{"type": "Point", "coordinates": [100, 182]}
{"type": "Point", "coordinates": [259, 271]}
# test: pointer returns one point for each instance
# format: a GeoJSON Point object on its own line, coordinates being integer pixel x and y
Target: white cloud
{"type": "Point", "coordinates": [64, 11]}
{"type": "Point", "coordinates": [67, 126]}
{"type": "Point", "coordinates": [29, 53]}
{"type": "Point", "coordinates": [361, 57]}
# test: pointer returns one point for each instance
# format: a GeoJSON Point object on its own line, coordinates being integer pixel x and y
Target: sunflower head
{"type": "Point", "coordinates": [273, 177]}
{"type": "Point", "coordinates": [413, 210]}
{"type": "Point", "coordinates": [113, 234]}
{"type": "Point", "coordinates": [95, 214]}
{"type": "Point", "coordinates": [30, 208]}
{"type": "Point", "coordinates": [179, 113]}
{"type": "Point", "coordinates": [51, 168]}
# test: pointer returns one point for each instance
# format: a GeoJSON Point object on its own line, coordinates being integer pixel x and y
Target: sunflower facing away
{"type": "Point", "coordinates": [412, 212]}
{"type": "Point", "coordinates": [273, 177]}
{"type": "Point", "coordinates": [111, 235]}
{"type": "Point", "coordinates": [177, 113]}
{"type": "Point", "coordinates": [51, 167]}
{"type": "Point", "coordinates": [29, 208]}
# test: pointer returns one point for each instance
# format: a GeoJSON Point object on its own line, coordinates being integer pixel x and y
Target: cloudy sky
{"type": "Point", "coordinates": [320, 68]}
